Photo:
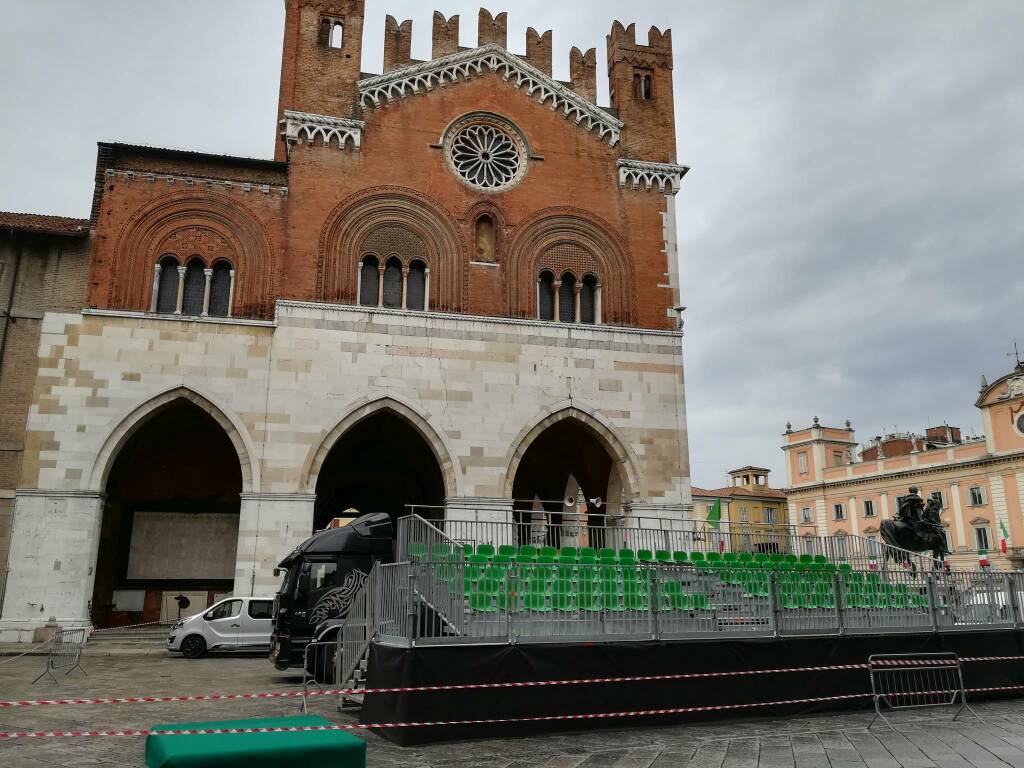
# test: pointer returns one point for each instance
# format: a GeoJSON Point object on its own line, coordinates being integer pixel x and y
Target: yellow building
{"type": "Point", "coordinates": [835, 486]}
{"type": "Point", "coordinates": [747, 502]}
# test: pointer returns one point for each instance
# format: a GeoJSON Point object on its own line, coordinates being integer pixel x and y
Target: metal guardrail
{"type": "Point", "coordinates": [916, 681]}
{"type": "Point", "coordinates": [455, 601]}
{"type": "Point", "coordinates": [65, 652]}
{"type": "Point", "coordinates": [636, 532]}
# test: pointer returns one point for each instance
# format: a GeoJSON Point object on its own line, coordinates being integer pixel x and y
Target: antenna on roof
{"type": "Point", "coordinates": [1016, 355]}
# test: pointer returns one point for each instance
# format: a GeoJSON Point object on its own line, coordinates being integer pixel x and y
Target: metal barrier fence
{"type": "Point", "coordinates": [418, 537]}
{"type": "Point", "coordinates": [460, 601]}
{"type": "Point", "coordinates": [65, 652]}
{"type": "Point", "coordinates": [916, 681]}
{"type": "Point", "coordinates": [320, 666]}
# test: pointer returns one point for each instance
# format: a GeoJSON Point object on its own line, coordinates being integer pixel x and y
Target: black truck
{"type": "Point", "coordinates": [321, 578]}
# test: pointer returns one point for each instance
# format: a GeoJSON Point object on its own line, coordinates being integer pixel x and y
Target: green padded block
{"type": "Point", "coordinates": [255, 750]}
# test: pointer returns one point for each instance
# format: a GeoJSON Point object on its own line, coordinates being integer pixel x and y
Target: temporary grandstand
{"type": "Point", "coordinates": [484, 583]}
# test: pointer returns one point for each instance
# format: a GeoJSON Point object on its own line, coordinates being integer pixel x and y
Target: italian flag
{"type": "Point", "coordinates": [983, 558]}
{"type": "Point", "coordinates": [713, 519]}
{"type": "Point", "coordinates": [1005, 536]}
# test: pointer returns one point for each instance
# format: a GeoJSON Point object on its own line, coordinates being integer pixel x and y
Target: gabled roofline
{"type": "Point", "coordinates": [377, 91]}
{"type": "Point", "coordinates": [1018, 371]}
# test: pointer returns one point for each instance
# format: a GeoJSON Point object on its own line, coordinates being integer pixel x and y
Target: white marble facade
{"type": "Point", "coordinates": [478, 390]}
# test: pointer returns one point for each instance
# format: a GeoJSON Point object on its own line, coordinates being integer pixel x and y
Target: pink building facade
{"type": "Point", "coordinates": [835, 486]}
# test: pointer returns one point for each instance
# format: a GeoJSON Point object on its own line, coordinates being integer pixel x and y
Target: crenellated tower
{"type": "Point", "coordinates": [320, 61]}
{"type": "Point", "coordinates": [640, 82]}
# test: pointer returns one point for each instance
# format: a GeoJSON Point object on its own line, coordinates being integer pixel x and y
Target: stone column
{"type": "Point", "coordinates": [208, 274]}
{"type": "Point", "coordinates": [426, 289]}
{"type": "Point", "coordinates": [181, 290]}
{"type": "Point", "coordinates": [156, 287]}
{"type": "Point", "coordinates": [380, 285]}
{"type": "Point", "coordinates": [579, 292]}
{"type": "Point", "coordinates": [555, 292]}
{"type": "Point", "coordinates": [231, 293]}
{"type": "Point", "coordinates": [359, 284]}
{"type": "Point", "coordinates": [54, 542]}
{"type": "Point", "coordinates": [597, 304]}
{"type": "Point", "coordinates": [270, 525]}
{"type": "Point", "coordinates": [405, 287]}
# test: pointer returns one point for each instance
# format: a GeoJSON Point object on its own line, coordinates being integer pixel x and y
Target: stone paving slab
{"type": "Point", "coordinates": [839, 740]}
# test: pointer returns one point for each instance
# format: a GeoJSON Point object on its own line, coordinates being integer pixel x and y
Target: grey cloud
{"type": "Point", "coordinates": [850, 235]}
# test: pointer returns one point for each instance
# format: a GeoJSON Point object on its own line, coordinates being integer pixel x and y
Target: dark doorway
{"type": "Point", "coordinates": [382, 464]}
{"type": "Point", "coordinates": [170, 520]}
{"type": "Point", "coordinates": [566, 449]}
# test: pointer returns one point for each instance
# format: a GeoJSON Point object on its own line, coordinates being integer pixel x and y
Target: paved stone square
{"type": "Point", "coordinates": [838, 741]}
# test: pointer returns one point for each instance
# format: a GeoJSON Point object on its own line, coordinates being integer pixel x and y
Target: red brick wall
{"type": "Point", "coordinates": [304, 245]}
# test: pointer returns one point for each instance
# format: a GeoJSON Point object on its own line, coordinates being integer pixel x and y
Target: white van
{"type": "Point", "coordinates": [233, 624]}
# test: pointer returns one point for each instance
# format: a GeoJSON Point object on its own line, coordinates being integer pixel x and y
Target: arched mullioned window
{"type": "Point", "coordinates": [195, 288]}
{"type": "Point", "coordinates": [220, 290]}
{"type": "Point", "coordinates": [393, 283]}
{"type": "Point", "coordinates": [546, 296]}
{"type": "Point", "coordinates": [567, 298]}
{"type": "Point", "coordinates": [588, 300]}
{"type": "Point", "coordinates": [369, 282]}
{"type": "Point", "coordinates": [417, 286]}
{"type": "Point", "coordinates": [166, 299]}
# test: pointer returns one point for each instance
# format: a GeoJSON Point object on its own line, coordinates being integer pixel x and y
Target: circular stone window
{"type": "Point", "coordinates": [486, 152]}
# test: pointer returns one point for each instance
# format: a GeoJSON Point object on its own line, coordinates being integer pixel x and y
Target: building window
{"type": "Point", "coordinates": [417, 290]}
{"type": "Point", "coordinates": [567, 298]}
{"type": "Point", "coordinates": [770, 515]}
{"type": "Point", "coordinates": [546, 296]}
{"type": "Point", "coordinates": [838, 513]}
{"type": "Point", "coordinates": [810, 545]}
{"type": "Point", "coordinates": [220, 289]}
{"type": "Point", "coordinates": [195, 289]}
{"type": "Point", "coordinates": [332, 32]}
{"type": "Point", "coordinates": [842, 547]}
{"type": "Point", "coordinates": [369, 282]}
{"type": "Point", "coordinates": [939, 496]}
{"type": "Point", "coordinates": [981, 537]}
{"type": "Point", "coordinates": [588, 300]}
{"type": "Point", "coordinates": [949, 537]}
{"type": "Point", "coordinates": [801, 460]}
{"type": "Point", "coordinates": [869, 508]}
{"type": "Point", "coordinates": [167, 285]}
{"type": "Point", "coordinates": [805, 515]}
{"type": "Point", "coordinates": [977, 497]}
{"type": "Point", "coordinates": [744, 515]}
{"type": "Point", "coordinates": [873, 547]}
{"type": "Point", "coordinates": [837, 458]}
{"type": "Point", "coordinates": [643, 85]}
{"type": "Point", "coordinates": [393, 283]}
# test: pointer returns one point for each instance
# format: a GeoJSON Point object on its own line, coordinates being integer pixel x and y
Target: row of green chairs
{"type": "Point", "coordinates": [487, 596]}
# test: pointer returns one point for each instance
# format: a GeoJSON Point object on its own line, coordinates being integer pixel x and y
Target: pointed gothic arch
{"type": "Point", "coordinates": [360, 411]}
{"type": "Point", "coordinates": [130, 422]}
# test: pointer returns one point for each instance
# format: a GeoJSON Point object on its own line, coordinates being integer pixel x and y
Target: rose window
{"type": "Point", "coordinates": [485, 153]}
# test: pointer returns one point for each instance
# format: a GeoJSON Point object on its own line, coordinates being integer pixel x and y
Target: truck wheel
{"type": "Point", "coordinates": [193, 647]}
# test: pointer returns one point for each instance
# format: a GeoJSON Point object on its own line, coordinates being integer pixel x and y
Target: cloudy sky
{"type": "Point", "coordinates": [851, 234]}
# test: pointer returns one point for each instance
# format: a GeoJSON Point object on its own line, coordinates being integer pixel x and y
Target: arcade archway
{"type": "Point", "coordinates": [381, 464]}
{"type": "Point", "coordinates": [170, 519]}
{"type": "Point", "coordinates": [567, 456]}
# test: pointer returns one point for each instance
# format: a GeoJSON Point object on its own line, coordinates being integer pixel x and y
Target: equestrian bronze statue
{"type": "Point", "coordinates": [917, 528]}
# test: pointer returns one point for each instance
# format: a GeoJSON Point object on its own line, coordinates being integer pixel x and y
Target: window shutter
{"type": "Point", "coordinates": [195, 287]}
{"type": "Point", "coordinates": [220, 290]}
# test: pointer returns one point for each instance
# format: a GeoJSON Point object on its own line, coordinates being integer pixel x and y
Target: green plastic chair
{"type": "Point", "coordinates": [790, 559]}
{"type": "Point", "coordinates": [806, 558]}
{"type": "Point", "coordinates": [547, 551]}
{"type": "Point", "coordinates": [587, 559]}
{"type": "Point", "coordinates": [522, 559]}
{"type": "Point", "coordinates": [696, 557]}
{"type": "Point", "coordinates": [608, 560]}
{"type": "Point", "coordinates": [417, 550]}
{"type": "Point", "coordinates": [746, 557]}
{"type": "Point", "coordinates": [701, 602]}
{"type": "Point", "coordinates": [536, 601]}
{"type": "Point", "coordinates": [701, 564]}
{"type": "Point", "coordinates": [627, 554]}
{"type": "Point", "coordinates": [563, 601]}
{"type": "Point", "coordinates": [820, 559]}
{"type": "Point", "coordinates": [663, 556]}
{"type": "Point", "coordinates": [680, 557]}
{"type": "Point", "coordinates": [589, 595]}
{"type": "Point", "coordinates": [487, 550]}
{"type": "Point", "coordinates": [713, 557]}
{"type": "Point", "coordinates": [501, 559]}
{"type": "Point", "coordinates": [588, 552]}
{"type": "Point", "coordinates": [527, 550]}
{"type": "Point", "coordinates": [545, 559]}
{"type": "Point", "coordinates": [761, 557]}
{"type": "Point", "coordinates": [730, 557]}
{"type": "Point", "coordinates": [607, 552]}
{"type": "Point", "coordinates": [467, 550]}
{"type": "Point", "coordinates": [481, 601]}
{"type": "Point", "coordinates": [569, 552]}
{"type": "Point", "coordinates": [645, 556]}
{"type": "Point", "coordinates": [508, 550]}
{"type": "Point", "coordinates": [775, 557]}
{"type": "Point", "coordinates": [610, 600]}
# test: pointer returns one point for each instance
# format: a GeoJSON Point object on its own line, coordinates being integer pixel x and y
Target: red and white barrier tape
{"type": "Point", "coordinates": [94, 631]}
{"type": "Point", "coordinates": [373, 726]}
{"type": "Point", "coordinates": [464, 686]}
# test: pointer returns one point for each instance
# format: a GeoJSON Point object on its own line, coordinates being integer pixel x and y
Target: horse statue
{"type": "Point", "coordinates": [917, 528]}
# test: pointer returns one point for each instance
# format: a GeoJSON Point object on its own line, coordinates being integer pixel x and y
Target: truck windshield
{"type": "Point", "coordinates": [315, 579]}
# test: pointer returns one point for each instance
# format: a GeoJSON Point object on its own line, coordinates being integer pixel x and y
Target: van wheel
{"type": "Point", "coordinates": [193, 647]}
